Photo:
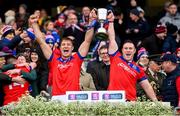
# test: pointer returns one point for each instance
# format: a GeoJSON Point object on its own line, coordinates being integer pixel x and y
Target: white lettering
{"type": "Point", "coordinates": [127, 69]}
{"type": "Point", "coordinates": [64, 66]}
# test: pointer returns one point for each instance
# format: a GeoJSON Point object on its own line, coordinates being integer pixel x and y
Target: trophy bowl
{"type": "Point", "coordinates": [101, 33]}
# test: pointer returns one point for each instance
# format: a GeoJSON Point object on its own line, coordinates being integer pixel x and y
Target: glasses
{"type": "Point", "coordinates": [104, 53]}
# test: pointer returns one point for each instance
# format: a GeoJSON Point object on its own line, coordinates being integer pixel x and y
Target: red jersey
{"type": "Point", "coordinates": [66, 74]}
{"type": "Point", "coordinates": [124, 75]}
{"type": "Point", "coordinates": [15, 90]}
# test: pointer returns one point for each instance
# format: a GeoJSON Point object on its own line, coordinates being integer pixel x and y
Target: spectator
{"type": "Point", "coordinates": [27, 43]}
{"type": "Point", "coordinates": [163, 12]}
{"type": "Point", "coordinates": [155, 76]}
{"type": "Point", "coordinates": [11, 64]}
{"type": "Point", "coordinates": [86, 82]}
{"type": "Point", "coordinates": [50, 41]}
{"type": "Point", "coordinates": [141, 13]}
{"type": "Point", "coordinates": [119, 26]}
{"type": "Point", "coordinates": [171, 84]}
{"type": "Point", "coordinates": [170, 44]}
{"type": "Point", "coordinates": [124, 73]}
{"type": "Point", "coordinates": [154, 42]}
{"type": "Point", "coordinates": [67, 64]}
{"type": "Point", "coordinates": [137, 29]}
{"type": "Point", "coordinates": [178, 54]}
{"type": "Point", "coordinates": [5, 79]}
{"type": "Point", "coordinates": [73, 29]}
{"type": "Point", "coordinates": [60, 24]}
{"type": "Point", "coordinates": [9, 39]}
{"type": "Point", "coordinates": [22, 16]}
{"type": "Point", "coordinates": [142, 58]}
{"type": "Point", "coordinates": [49, 29]}
{"type": "Point", "coordinates": [100, 68]}
{"type": "Point", "coordinates": [10, 19]}
{"type": "Point", "coordinates": [43, 17]}
{"type": "Point", "coordinates": [14, 91]}
{"type": "Point", "coordinates": [172, 16]}
{"type": "Point", "coordinates": [84, 18]}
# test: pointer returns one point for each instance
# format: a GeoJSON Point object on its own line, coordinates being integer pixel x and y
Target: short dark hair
{"type": "Point", "coordinates": [128, 41]}
{"type": "Point", "coordinates": [103, 47]}
{"type": "Point", "coordinates": [172, 3]}
{"type": "Point", "coordinates": [24, 6]}
{"type": "Point", "coordinates": [66, 38]}
{"type": "Point", "coordinates": [20, 54]}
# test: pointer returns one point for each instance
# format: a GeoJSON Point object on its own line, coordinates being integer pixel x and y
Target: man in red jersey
{"type": "Point", "coordinates": [66, 67]}
{"type": "Point", "coordinates": [124, 73]}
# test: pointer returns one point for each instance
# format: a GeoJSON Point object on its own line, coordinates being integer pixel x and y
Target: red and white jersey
{"type": "Point", "coordinates": [124, 75]}
{"type": "Point", "coordinates": [15, 90]}
{"type": "Point", "coordinates": [65, 73]}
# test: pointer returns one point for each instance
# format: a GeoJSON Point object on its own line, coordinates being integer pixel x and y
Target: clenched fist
{"type": "Point", "coordinates": [33, 19]}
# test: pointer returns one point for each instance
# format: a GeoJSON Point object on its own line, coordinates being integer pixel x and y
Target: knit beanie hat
{"type": "Point", "coordinates": [160, 29]}
{"type": "Point", "coordinates": [6, 29]}
{"type": "Point", "coordinates": [63, 16]}
{"type": "Point", "coordinates": [31, 34]}
{"type": "Point", "coordinates": [50, 39]}
{"type": "Point", "coordinates": [178, 49]}
{"type": "Point", "coordinates": [135, 12]}
{"type": "Point", "coordinates": [142, 52]}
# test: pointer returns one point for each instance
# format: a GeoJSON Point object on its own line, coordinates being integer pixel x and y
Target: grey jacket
{"type": "Point", "coordinates": [173, 19]}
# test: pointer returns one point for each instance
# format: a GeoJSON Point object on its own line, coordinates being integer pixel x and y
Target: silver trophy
{"type": "Point", "coordinates": [102, 16]}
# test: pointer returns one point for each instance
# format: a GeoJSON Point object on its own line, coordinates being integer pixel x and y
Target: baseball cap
{"type": "Point", "coordinates": [170, 57]}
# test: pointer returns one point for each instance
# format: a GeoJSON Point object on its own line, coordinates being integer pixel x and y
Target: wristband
{"type": "Point", "coordinates": [93, 24]}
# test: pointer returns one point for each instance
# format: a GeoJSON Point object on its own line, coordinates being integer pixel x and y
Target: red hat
{"type": "Point", "coordinates": [160, 29]}
{"type": "Point", "coordinates": [178, 49]}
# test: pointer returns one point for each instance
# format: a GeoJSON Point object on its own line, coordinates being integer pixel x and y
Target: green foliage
{"type": "Point", "coordinates": [28, 106]}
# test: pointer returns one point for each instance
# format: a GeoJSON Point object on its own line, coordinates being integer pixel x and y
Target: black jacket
{"type": "Point", "coordinates": [100, 73]}
{"type": "Point", "coordinates": [169, 91]}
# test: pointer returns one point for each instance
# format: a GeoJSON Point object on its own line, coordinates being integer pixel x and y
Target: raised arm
{"type": "Point", "coordinates": [113, 47]}
{"type": "Point", "coordinates": [40, 37]}
{"type": "Point", "coordinates": [84, 47]}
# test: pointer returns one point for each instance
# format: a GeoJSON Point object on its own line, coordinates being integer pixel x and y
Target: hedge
{"type": "Point", "coordinates": [28, 106]}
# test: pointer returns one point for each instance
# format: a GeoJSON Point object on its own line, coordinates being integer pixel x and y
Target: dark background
{"type": "Point", "coordinates": [49, 4]}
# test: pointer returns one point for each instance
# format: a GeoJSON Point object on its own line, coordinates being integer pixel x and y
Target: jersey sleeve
{"type": "Point", "coordinates": [114, 56]}
{"type": "Point", "coordinates": [56, 53]}
{"type": "Point", "coordinates": [79, 58]}
{"type": "Point", "coordinates": [142, 76]}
